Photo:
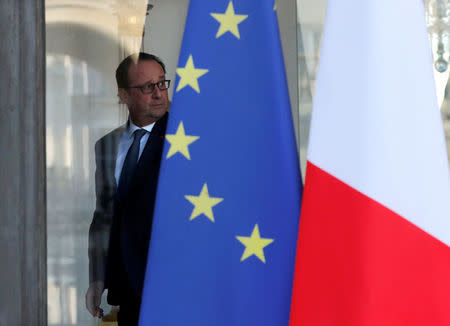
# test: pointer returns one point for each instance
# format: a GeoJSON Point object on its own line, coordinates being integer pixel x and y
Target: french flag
{"type": "Point", "coordinates": [374, 233]}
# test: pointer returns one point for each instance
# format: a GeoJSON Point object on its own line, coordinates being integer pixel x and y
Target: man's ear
{"type": "Point", "coordinates": [123, 95]}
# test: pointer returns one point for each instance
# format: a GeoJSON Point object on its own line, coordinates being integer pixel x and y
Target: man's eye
{"type": "Point", "coordinates": [147, 87]}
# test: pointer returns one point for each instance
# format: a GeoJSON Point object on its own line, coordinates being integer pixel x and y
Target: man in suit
{"type": "Point", "coordinates": [127, 167]}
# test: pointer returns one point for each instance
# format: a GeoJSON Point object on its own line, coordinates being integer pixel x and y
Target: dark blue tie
{"type": "Point", "coordinates": [129, 165]}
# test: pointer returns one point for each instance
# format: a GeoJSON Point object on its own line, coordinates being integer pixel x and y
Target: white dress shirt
{"type": "Point", "coordinates": [125, 143]}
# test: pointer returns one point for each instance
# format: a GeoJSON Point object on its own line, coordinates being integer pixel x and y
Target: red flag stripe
{"type": "Point", "coordinates": [360, 263]}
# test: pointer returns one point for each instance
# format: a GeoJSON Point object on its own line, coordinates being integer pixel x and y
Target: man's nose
{"type": "Point", "coordinates": [156, 92]}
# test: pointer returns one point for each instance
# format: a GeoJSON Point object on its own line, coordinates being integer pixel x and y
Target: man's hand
{"type": "Point", "coordinates": [94, 297]}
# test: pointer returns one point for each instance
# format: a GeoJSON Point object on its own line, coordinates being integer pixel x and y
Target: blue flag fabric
{"type": "Point", "coordinates": [225, 226]}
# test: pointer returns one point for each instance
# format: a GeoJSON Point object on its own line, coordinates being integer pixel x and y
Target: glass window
{"type": "Point", "coordinates": [85, 42]}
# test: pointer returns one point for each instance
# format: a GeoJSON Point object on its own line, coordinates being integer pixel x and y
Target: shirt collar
{"type": "Point", "coordinates": [131, 127]}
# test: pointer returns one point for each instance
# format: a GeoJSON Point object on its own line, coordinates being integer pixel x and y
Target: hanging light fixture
{"type": "Point", "coordinates": [438, 21]}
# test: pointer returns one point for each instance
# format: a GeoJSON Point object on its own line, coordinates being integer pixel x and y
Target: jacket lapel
{"type": "Point", "coordinates": [154, 144]}
{"type": "Point", "coordinates": [153, 148]}
{"type": "Point", "coordinates": [109, 153]}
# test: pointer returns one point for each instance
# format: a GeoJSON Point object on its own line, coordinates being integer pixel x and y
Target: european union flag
{"type": "Point", "coordinates": [226, 219]}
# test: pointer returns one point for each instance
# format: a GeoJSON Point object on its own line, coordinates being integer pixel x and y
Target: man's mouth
{"type": "Point", "coordinates": [157, 104]}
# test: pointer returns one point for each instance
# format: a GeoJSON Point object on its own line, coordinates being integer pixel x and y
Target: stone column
{"type": "Point", "coordinates": [23, 273]}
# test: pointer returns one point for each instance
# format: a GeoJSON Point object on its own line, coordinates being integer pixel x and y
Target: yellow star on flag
{"type": "Point", "coordinates": [203, 204]}
{"type": "Point", "coordinates": [229, 21]}
{"type": "Point", "coordinates": [179, 142]}
{"type": "Point", "coordinates": [254, 245]}
{"type": "Point", "coordinates": [275, 5]}
{"type": "Point", "coordinates": [189, 75]}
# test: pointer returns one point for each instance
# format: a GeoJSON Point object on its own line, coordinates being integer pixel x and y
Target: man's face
{"type": "Point", "coordinates": [145, 108]}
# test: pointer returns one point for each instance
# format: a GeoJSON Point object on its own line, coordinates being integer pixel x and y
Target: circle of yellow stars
{"type": "Point", "coordinates": [179, 142]}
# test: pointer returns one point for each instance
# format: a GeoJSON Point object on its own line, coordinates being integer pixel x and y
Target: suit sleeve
{"type": "Point", "coordinates": [100, 227]}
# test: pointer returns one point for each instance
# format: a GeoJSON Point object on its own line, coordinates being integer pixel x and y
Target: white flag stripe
{"type": "Point", "coordinates": [375, 102]}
